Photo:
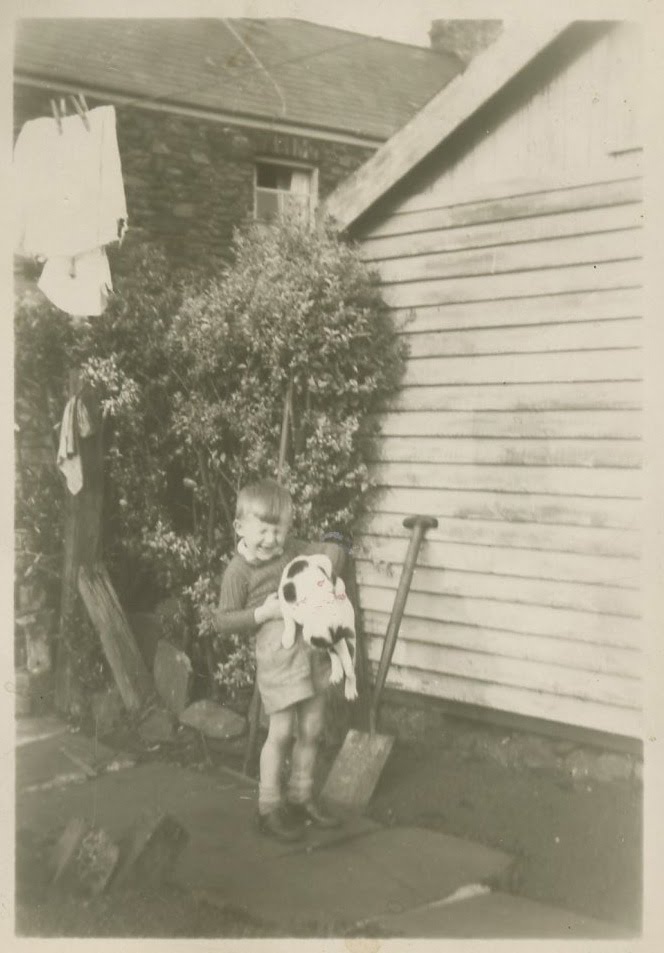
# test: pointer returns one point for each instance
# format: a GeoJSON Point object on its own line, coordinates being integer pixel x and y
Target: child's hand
{"type": "Point", "coordinates": [270, 609]}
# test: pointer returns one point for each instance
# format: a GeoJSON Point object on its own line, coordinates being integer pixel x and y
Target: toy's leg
{"type": "Point", "coordinates": [288, 637]}
{"type": "Point", "coordinates": [337, 671]}
{"type": "Point", "coordinates": [350, 689]}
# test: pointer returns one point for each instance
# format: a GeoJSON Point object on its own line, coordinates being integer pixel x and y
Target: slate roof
{"type": "Point", "coordinates": [287, 69]}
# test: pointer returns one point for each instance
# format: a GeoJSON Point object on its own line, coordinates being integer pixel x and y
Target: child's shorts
{"type": "Point", "coordinates": [287, 676]}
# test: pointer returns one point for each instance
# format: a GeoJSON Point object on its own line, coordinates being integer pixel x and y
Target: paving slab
{"type": "Point", "coordinates": [497, 916]}
{"type": "Point", "coordinates": [34, 728]}
{"type": "Point", "coordinates": [217, 810]}
{"type": "Point", "coordinates": [61, 755]}
{"type": "Point", "coordinates": [346, 875]}
{"type": "Point", "coordinates": [387, 871]}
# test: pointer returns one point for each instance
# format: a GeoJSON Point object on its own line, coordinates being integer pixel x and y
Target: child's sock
{"type": "Point", "coordinates": [300, 786]}
{"type": "Point", "coordinates": [269, 798]}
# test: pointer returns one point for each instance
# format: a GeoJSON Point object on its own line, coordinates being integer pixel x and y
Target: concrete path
{"type": "Point", "coordinates": [392, 879]}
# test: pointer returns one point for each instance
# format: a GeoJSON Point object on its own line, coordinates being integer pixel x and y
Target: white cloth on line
{"type": "Point", "coordinates": [69, 460]}
{"type": "Point", "coordinates": [80, 285]}
{"type": "Point", "coordinates": [70, 193]}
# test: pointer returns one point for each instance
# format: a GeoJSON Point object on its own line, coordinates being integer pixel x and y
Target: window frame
{"type": "Point", "coordinates": [287, 163]}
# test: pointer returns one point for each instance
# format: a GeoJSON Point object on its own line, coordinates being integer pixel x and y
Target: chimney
{"type": "Point", "coordinates": [464, 38]}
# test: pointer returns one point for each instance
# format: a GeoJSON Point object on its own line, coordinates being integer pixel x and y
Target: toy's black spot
{"type": "Point", "coordinates": [298, 566]}
{"type": "Point", "coordinates": [289, 592]}
{"type": "Point", "coordinates": [342, 632]}
{"type": "Point", "coordinates": [319, 643]}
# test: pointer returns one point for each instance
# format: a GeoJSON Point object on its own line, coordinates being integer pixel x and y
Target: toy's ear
{"type": "Point", "coordinates": [323, 562]}
{"type": "Point", "coordinates": [288, 592]}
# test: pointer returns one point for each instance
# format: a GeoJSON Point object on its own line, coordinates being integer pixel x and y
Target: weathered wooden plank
{"type": "Point", "coordinates": [584, 597]}
{"type": "Point", "coordinates": [562, 624]}
{"type": "Point", "coordinates": [579, 336]}
{"type": "Point", "coordinates": [525, 701]}
{"type": "Point", "coordinates": [600, 304]}
{"type": "Point", "coordinates": [591, 424]}
{"type": "Point", "coordinates": [563, 395]}
{"type": "Point", "coordinates": [583, 656]}
{"type": "Point", "coordinates": [513, 507]}
{"type": "Point", "coordinates": [522, 256]}
{"type": "Point", "coordinates": [612, 364]}
{"type": "Point", "coordinates": [595, 541]}
{"type": "Point", "coordinates": [523, 452]}
{"type": "Point", "coordinates": [131, 676]}
{"type": "Point", "coordinates": [536, 202]}
{"type": "Point", "coordinates": [439, 118]}
{"type": "Point", "coordinates": [575, 481]}
{"type": "Point", "coordinates": [590, 221]}
{"type": "Point", "coordinates": [543, 281]}
{"type": "Point", "coordinates": [520, 673]}
{"type": "Point", "coordinates": [516, 561]}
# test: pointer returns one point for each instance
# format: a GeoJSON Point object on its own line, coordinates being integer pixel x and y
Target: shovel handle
{"type": "Point", "coordinates": [418, 525]}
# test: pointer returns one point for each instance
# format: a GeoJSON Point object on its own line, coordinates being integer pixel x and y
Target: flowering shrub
{"type": "Point", "coordinates": [192, 372]}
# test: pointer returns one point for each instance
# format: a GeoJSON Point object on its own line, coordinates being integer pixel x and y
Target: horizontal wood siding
{"type": "Point", "coordinates": [519, 426]}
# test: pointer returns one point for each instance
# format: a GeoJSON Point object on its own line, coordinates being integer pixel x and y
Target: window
{"type": "Point", "coordinates": [284, 189]}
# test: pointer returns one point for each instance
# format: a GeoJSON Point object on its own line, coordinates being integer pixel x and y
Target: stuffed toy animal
{"type": "Point", "coordinates": [312, 597]}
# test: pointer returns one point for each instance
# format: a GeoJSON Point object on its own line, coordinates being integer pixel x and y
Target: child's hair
{"type": "Point", "coordinates": [264, 499]}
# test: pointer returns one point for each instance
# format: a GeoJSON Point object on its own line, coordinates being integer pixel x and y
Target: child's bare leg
{"type": "Point", "coordinates": [273, 755]}
{"type": "Point", "coordinates": [310, 714]}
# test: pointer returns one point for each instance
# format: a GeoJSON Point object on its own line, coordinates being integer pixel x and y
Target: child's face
{"type": "Point", "coordinates": [262, 539]}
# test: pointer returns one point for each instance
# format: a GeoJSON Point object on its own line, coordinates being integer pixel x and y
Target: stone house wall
{"type": "Point", "coordinates": [189, 181]}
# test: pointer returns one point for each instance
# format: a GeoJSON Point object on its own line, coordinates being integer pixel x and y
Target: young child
{"type": "Point", "coordinates": [291, 682]}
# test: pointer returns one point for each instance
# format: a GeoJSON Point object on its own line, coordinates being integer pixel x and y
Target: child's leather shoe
{"type": "Point", "coordinates": [313, 813]}
{"type": "Point", "coordinates": [279, 824]}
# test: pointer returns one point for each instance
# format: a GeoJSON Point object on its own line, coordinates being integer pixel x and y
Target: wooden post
{"type": "Point", "coordinates": [65, 689]}
{"type": "Point", "coordinates": [85, 574]}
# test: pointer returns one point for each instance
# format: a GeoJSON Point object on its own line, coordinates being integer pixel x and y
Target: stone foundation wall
{"type": "Point", "coordinates": [570, 761]}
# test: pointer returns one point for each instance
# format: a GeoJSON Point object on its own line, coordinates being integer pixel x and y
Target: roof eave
{"type": "Point", "coordinates": [488, 73]}
{"type": "Point", "coordinates": [293, 127]}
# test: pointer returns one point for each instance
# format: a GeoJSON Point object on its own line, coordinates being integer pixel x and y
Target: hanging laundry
{"type": "Point", "coordinates": [80, 285]}
{"type": "Point", "coordinates": [70, 193]}
{"type": "Point", "coordinates": [69, 459]}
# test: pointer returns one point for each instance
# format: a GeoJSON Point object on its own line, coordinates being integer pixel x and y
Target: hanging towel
{"type": "Point", "coordinates": [80, 285]}
{"type": "Point", "coordinates": [70, 193]}
{"type": "Point", "coordinates": [69, 460]}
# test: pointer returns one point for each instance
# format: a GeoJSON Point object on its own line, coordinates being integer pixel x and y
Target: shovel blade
{"type": "Point", "coordinates": [356, 770]}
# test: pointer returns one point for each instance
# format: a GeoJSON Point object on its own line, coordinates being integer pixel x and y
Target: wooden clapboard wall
{"type": "Point", "coordinates": [519, 427]}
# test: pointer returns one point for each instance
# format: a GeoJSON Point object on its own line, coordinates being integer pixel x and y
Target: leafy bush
{"type": "Point", "coordinates": [193, 371]}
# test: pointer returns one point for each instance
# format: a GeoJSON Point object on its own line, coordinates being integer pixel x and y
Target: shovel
{"type": "Point", "coordinates": [358, 766]}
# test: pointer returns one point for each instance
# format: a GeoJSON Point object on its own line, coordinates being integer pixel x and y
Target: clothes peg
{"type": "Point", "coordinates": [56, 115]}
{"type": "Point", "coordinates": [81, 110]}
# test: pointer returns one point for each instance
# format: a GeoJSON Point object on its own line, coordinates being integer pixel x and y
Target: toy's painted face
{"type": "Point", "coordinates": [262, 539]}
{"type": "Point", "coordinates": [309, 581]}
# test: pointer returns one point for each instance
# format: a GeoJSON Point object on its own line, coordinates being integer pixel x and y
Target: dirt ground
{"type": "Point", "coordinates": [578, 844]}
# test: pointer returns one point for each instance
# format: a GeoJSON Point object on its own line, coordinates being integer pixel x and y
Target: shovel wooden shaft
{"type": "Point", "coordinates": [419, 525]}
